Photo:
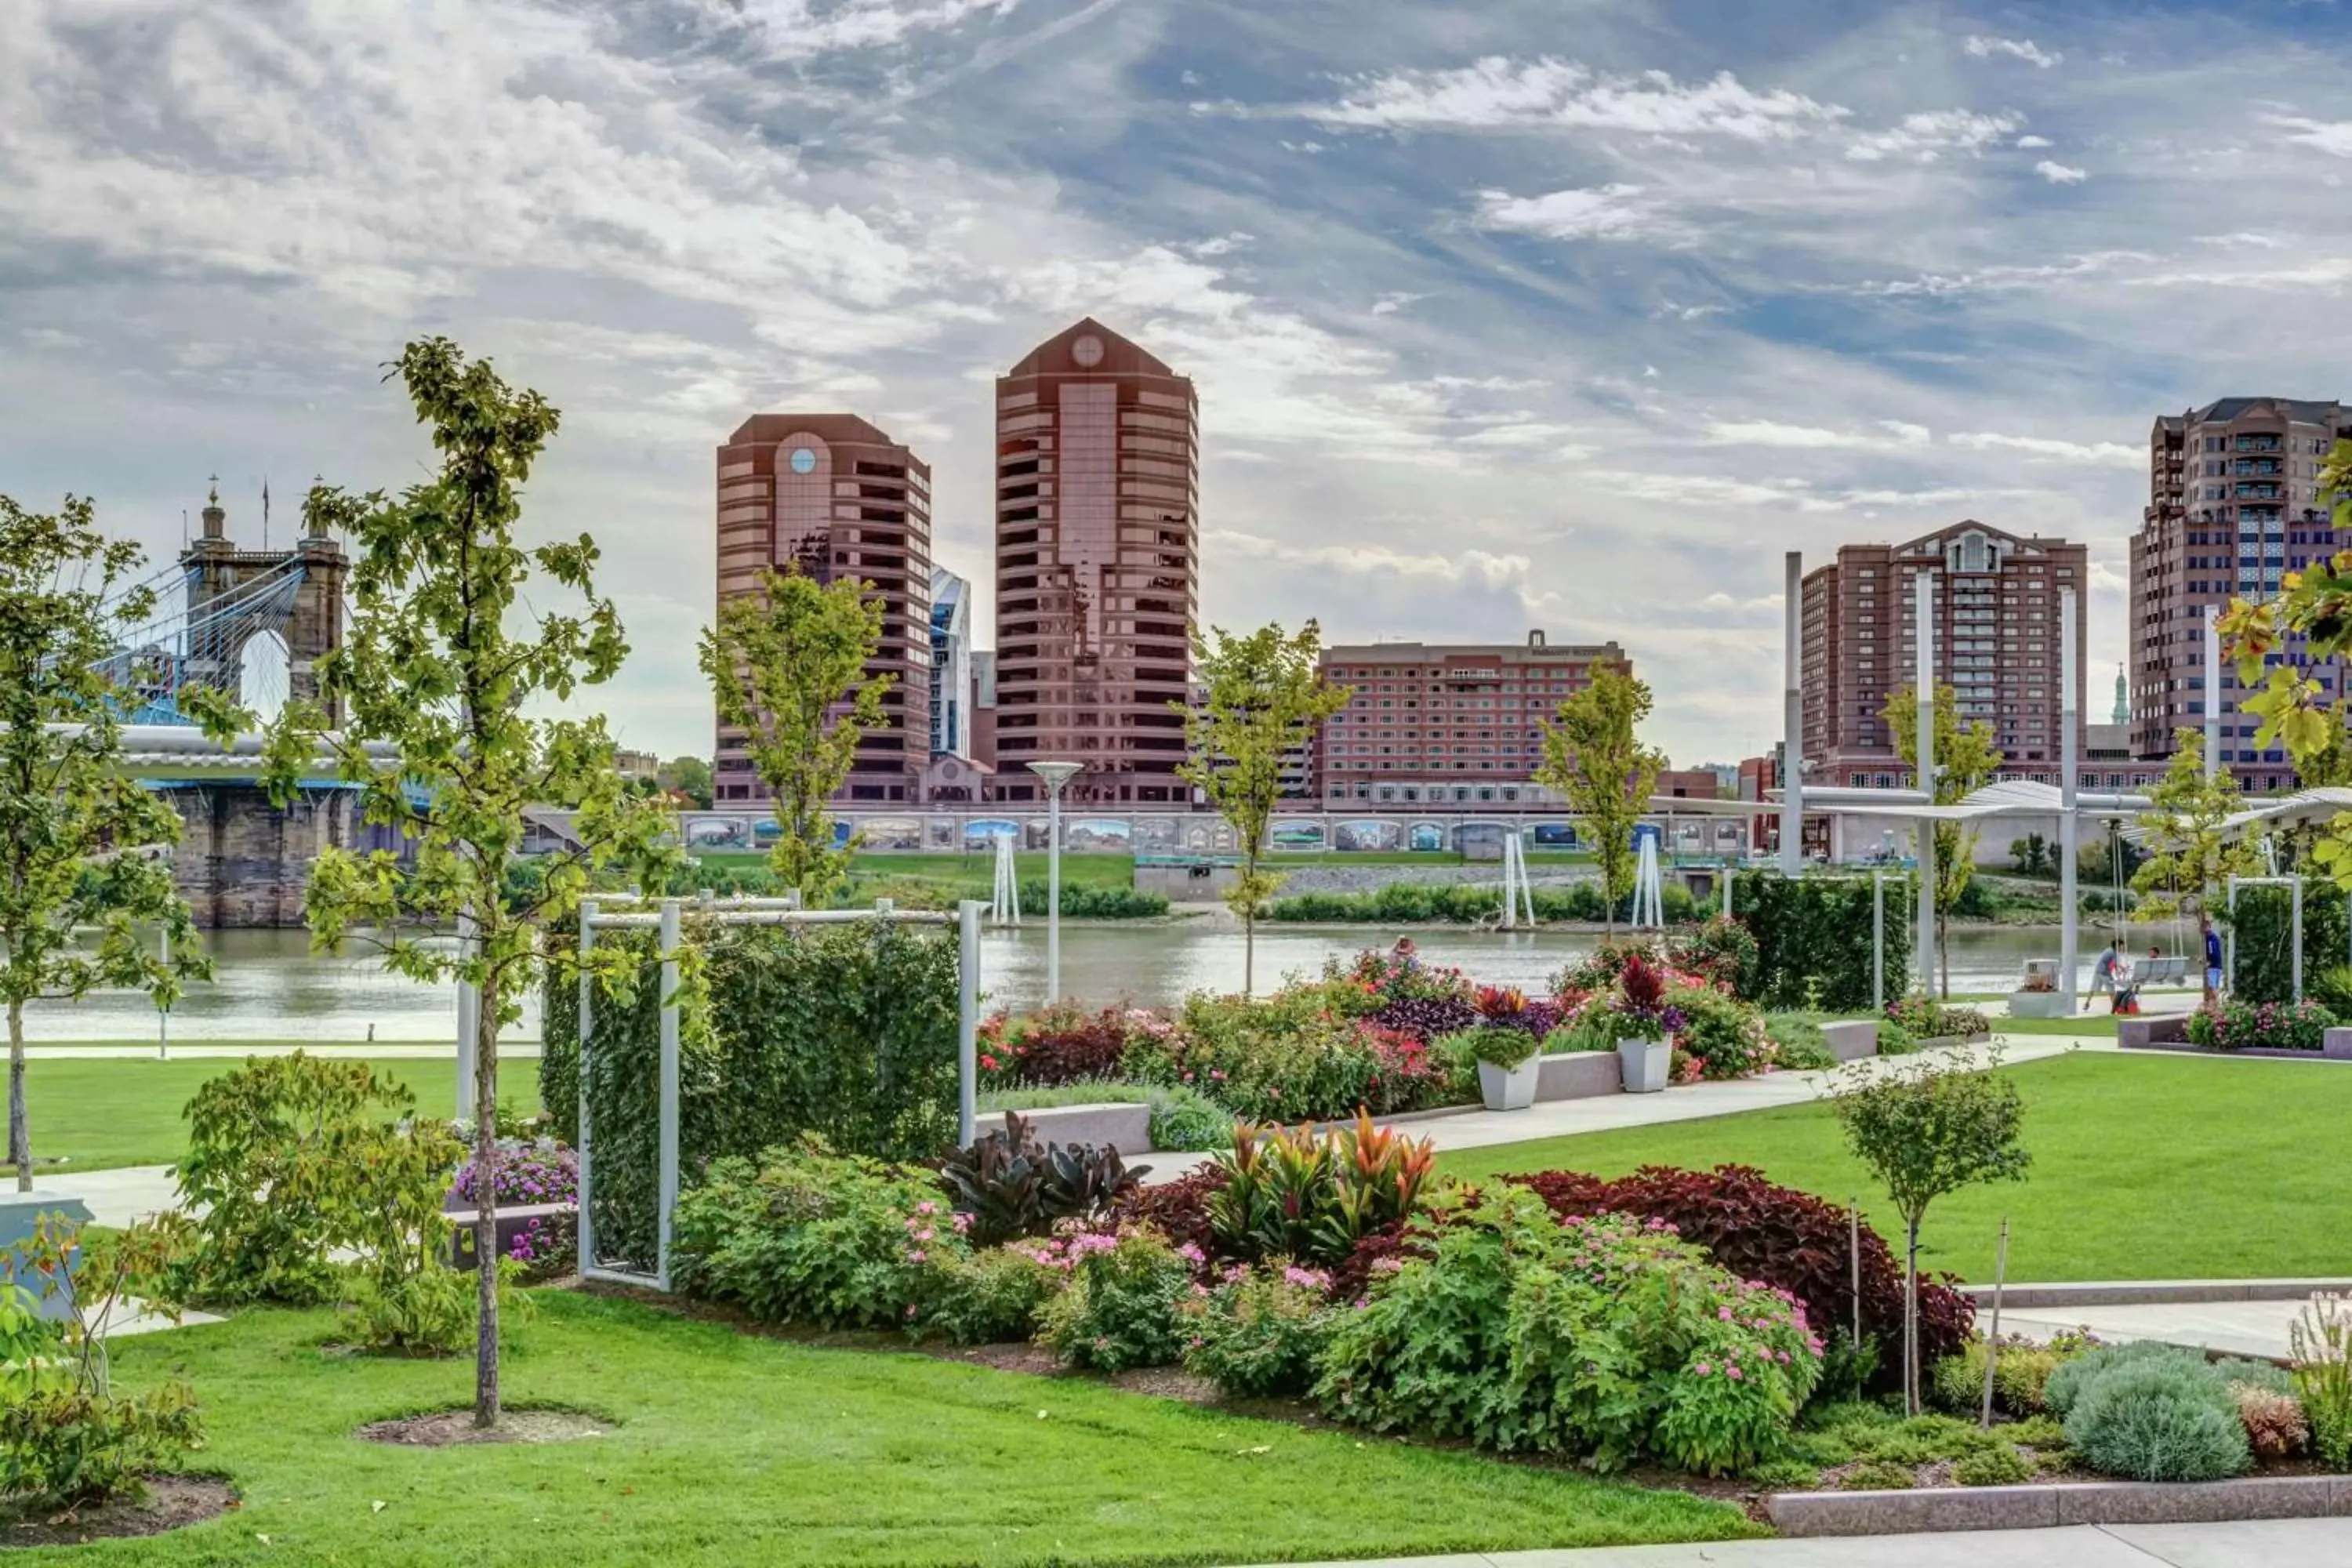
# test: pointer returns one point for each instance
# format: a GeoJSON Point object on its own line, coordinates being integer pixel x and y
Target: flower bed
{"type": "Point", "coordinates": [2235, 1026]}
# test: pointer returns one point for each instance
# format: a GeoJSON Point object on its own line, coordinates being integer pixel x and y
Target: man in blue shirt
{"type": "Point", "coordinates": [2212, 957]}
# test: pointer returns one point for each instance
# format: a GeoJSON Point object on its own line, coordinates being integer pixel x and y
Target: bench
{"type": "Point", "coordinates": [2157, 970]}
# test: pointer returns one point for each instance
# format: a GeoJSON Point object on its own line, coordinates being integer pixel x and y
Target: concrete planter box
{"type": "Point", "coordinates": [2136, 1033]}
{"type": "Point", "coordinates": [2338, 1046]}
{"type": "Point", "coordinates": [1851, 1039]}
{"type": "Point", "coordinates": [2053, 1506]}
{"type": "Point", "coordinates": [1125, 1127]}
{"type": "Point", "coordinates": [18, 1213]}
{"type": "Point", "coordinates": [1579, 1075]}
{"type": "Point", "coordinates": [512, 1222]}
{"type": "Point", "coordinates": [1647, 1063]}
{"type": "Point", "coordinates": [1510, 1088]}
{"type": "Point", "coordinates": [2038, 1004]}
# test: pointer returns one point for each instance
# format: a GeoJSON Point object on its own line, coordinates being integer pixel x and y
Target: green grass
{"type": "Point", "coordinates": [2144, 1168]}
{"type": "Point", "coordinates": [736, 1449]}
{"type": "Point", "coordinates": [100, 1115]}
{"type": "Point", "coordinates": [2100, 1024]}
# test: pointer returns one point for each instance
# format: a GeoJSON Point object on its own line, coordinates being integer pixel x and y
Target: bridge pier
{"type": "Point", "coordinates": [242, 863]}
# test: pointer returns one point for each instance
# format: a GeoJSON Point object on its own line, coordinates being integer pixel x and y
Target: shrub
{"type": "Point", "coordinates": [529, 1173]}
{"type": "Point", "coordinates": [1784, 1238]}
{"type": "Point", "coordinates": [2000, 1465]}
{"type": "Point", "coordinates": [1879, 1476]}
{"type": "Point", "coordinates": [2159, 1418]}
{"type": "Point", "coordinates": [1298, 1192]}
{"type": "Point", "coordinates": [1895, 1040]}
{"type": "Point", "coordinates": [1178, 1210]}
{"type": "Point", "coordinates": [2036, 1432]}
{"type": "Point", "coordinates": [1956, 1382]}
{"type": "Point", "coordinates": [1727, 1037]}
{"type": "Point", "coordinates": [1497, 1046]}
{"type": "Point", "coordinates": [1926, 1018]}
{"type": "Point", "coordinates": [2065, 1384]}
{"type": "Point", "coordinates": [1812, 938]}
{"type": "Point", "coordinates": [2321, 1341]}
{"type": "Point", "coordinates": [1606, 1337]}
{"type": "Point", "coordinates": [1185, 1120]}
{"type": "Point", "coordinates": [403, 1298]}
{"type": "Point", "coordinates": [2275, 1423]}
{"type": "Point", "coordinates": [432, 1310]}
{"type": "Point", "coordinates": [1008, 1184]}
{"type": "Point", "coordinates": [988, 1298]}
{"type": "Point", "coordinates": [1062, 1044]}
{"type": "Point", "coordinates": [1287, 1057]}
{"type": "Point", "coordinates": [1722, 949]}
{"type": "Point", "coordinates": [282, 1156]}
{"type": "Point", "coordinates": [2236, 1026]}
{"type": "Point", "coordinates": [1123, 1305]}
{"type": "Point", "coordinates": [1798, 1042]}
{"type": "Point", "coordinates": [68, 1436]}
{"type": "Point", "coordinates": [806, 1236]}
{"type": "Point", "coordinates": [1260, 1336]}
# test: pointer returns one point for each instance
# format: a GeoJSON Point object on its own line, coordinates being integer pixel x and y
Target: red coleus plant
{"type": "Point", "coordinates": [1640, 983]}
{"type": "Point", "coordinates": [1501, 1004]}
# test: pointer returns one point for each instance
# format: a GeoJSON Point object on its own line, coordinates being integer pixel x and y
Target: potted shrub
{"type": "Point", "coordinates": [1644, 1026]}
{"type": "Point", "coordinates": [1509, 1067]}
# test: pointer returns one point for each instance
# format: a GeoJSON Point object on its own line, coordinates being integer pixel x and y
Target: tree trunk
{"type": "Point", "coordinates": [1249, 951]}
{"type": "Point", "coordinates": [1943, 952]}
{"type": "Point", "coordinates": [20, 1131]}
{"type": "Point", "coordinates": [485, 1204]}
{"type": "Point", "coordinates": [1911, 1319]}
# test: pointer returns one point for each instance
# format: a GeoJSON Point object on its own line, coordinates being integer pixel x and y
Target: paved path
{"type": "Point", "coordinates": [117, 1198]}
{"type": "Point", "coordinates": [231, 1050]}
{"type": "Point", "coordinates": [1690, 1102]}
{"type": "Point", "coordinates": [2236, 1328]}
{"type": "Point", "coordinates": [2253, 1543]}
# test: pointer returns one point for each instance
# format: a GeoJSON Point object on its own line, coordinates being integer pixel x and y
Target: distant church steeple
{"type": "Point", "coordinates": [2123, 698]}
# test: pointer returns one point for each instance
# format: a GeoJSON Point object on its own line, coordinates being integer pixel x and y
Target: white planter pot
{"type": "Point", "coordinates": [2038, 1004]}
{"type": "Point", "coordinates": [1510, 1088]}
{"type": "Point", "coordinates": [1647, 1063]}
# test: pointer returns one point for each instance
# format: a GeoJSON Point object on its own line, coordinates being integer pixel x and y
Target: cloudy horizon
{"type": "Point", "coordinates": [1569, 316]}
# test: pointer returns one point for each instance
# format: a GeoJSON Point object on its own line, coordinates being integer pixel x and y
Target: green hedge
{"type": "Point", "coordinates": [1815, 933]}
{"type": "Point", "coordinates": [1460, 904]}
{"type": "Point", "coordinates": [848, 1031]}
{"type": "Point", "coordinates": [2264, 927]}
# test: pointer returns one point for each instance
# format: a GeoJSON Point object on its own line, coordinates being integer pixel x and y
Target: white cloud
{"type": "Point", "coordinates": [2004, 277]}
{"type": "Point", "coordinates": [2033, 142]}
{"type": "Point", "coordinates": [2024, 49]}
{"type": "Point", "coordinates": [1604, 212]}
{"type": "Point", "coordinates": [2243, 240]}
{"type": "Point", "coordinates": [1499, 93]}
{"type": "Point", "coordinates": [2058, 174]}
{"type": "Point", "coordinates": [2328, 135]}
{"type": "Point", "coordinates": [2102, 454]}
{"type": "Point", "coordinates": [1224, 245]}
{"type": "Point", "coordinates": [1390, 303]}
{"type": "Point", "coordinates": [1888, 434]}
{"type": "Point", "coordinates": [1479, 568]}
{"type": "Point", "coordinates": [1926, 136]}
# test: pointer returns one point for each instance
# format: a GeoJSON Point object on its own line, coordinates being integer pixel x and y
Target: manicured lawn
{"type": "Point", "coordinates": [2099, 1024]}
{"type": "Point", "coordinates": [733, 1449]}
{"type": "Point", "coordinates": [2144, 1168]}
{"type": "Point", "coordinates": [99, 1114]}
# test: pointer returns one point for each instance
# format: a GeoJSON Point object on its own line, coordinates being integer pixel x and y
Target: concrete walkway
{"type": "Point", "coordinates": [1688, 1102]}
{"type": "Point", "coordinates": [2251, 1543]}
{"type": "Point", "coordinates": [2256, 1328]}
{"type": "Point", "coordinates": [231, 1050]}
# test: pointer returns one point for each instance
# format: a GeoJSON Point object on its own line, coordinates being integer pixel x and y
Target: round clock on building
{"type": "Point", "coordinates": [1087, 351]}
{"type": "Point", "coordinates": [803, 461]}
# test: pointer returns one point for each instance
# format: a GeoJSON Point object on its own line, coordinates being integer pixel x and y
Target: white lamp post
{"type": "Point", "coordinates": [1056, 775]}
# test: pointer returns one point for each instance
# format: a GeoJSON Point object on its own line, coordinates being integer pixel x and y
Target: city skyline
{"type": "Point", "coordinates": [1491, 326]}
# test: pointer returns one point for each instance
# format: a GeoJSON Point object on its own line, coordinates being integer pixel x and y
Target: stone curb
{"type": "Point", "coordinates": [2264, 1053]}
{"type": "Point", "coordinates": [2152, 1292]}
{"type": "Point", "coordinates": [2051, 1507]}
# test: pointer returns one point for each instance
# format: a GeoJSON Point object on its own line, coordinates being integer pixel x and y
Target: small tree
{"type": "Point", "coordinates": [2190, 855]}
{"type": "Point", "coordinates": [1593, 757]}
{"type": "Point", "coordinates": [446, 652]}
{"type": "Point", "coordinates": [689, 776]}
{"type": "Point", "coordinates": [1965, 761]}
{"type": "Point", "coordinates": [787, 668]}
{"type": "Point", "coordinates": [1925, 1130]}
{"type": "Point", "coordinates": [1263, 694]}
{"type": "Point", "coordinates": [82, 845]}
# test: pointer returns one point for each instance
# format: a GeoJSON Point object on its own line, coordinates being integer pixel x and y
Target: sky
{"type": "Point", "coordinates": [1570, 314]}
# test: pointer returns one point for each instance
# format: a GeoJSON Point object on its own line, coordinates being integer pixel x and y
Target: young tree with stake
{"type": "Point", "coordinates": [447, 649]}
{"type": "Point", "coordinates": [787, 668]}
{"type": "Point", "coordinates": [1263, 694]}
{"type": "Point", "coordinates": [82, 845]}
{"type": "Point", "coordinates": [1594, 758]}
{"type": "Point", "coordinates": [1925, 1130]}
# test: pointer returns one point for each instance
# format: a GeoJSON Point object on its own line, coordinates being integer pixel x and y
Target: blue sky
{"type": "Point", "coordinates": [1506, 314]}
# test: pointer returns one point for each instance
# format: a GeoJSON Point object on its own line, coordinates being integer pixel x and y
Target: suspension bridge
{"type": "Point", "coordinates": [253, 623]}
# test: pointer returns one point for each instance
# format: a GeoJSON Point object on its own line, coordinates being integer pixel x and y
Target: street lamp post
{"type": "Point", "coordinates": [1056, 775]}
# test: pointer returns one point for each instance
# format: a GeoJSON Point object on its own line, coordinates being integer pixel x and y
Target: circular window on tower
{"type": "Point", "coordinates": [803, 461]}
{"type": "Point", "coordinates": [1087, 351]}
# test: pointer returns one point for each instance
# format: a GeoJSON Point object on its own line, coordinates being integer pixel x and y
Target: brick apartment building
{"type": "Point", "coordinates": [1445, 723]}
{"type": "Point", "coordinates": [2233, 504]}
{"type": "Point", "coordinates": [843, 499]}
{"type": "Point", "coordinates": [1097, 530]}
{"type": "Point", "coordinates": [1996, 628]}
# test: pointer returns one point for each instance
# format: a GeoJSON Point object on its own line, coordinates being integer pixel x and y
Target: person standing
{"type": "Point", "coordinates": [2103, 973]}
{"type": "Point", "coordinates": [2212, 958]}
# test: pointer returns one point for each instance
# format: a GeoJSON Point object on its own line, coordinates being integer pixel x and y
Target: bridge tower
{"type": "Point", "coordinates": [243, 861]}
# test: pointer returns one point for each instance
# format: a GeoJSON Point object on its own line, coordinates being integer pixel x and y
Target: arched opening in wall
{"type": "Point", "coordinates": [264, 667]}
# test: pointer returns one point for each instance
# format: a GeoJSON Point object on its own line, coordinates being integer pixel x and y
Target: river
{"type": "Point", "coordinates": [268, 986]}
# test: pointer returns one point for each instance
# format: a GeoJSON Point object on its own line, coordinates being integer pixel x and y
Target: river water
{"type": "Point", "coordinates": [268, 986]}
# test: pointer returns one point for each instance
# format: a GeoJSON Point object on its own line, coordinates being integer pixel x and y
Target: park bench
{"type": "Point", "coordinates": [2158, 970]}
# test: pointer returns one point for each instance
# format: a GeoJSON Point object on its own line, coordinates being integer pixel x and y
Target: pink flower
{"type": "Point", "coordinates": [915, 1255]}
{"type": "Point", "coordinates": [1724, 1313]}
{"type": "Point", "coordinates": [962, 1223]}
{"type": "Point", "coordinates": [1734, 1373]}
{"type": "Point", "coordinates": [1216, 1075]}
{"type": "Point", "coordinates": [1703, 1368]}
{"type": "Point", "coordinates": [927, 1206]}
{"type": "Point", "coordinates": [1190, 1253]}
